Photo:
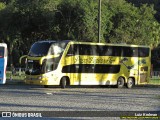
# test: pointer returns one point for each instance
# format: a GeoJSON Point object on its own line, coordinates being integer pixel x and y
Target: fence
{"type": "Point", "coordinates": [155, 74]}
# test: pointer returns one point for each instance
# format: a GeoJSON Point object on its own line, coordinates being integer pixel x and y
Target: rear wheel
{"type": "Point", "coordinates": [130, 83]}
{"type": "Point", "coordinates": [120, 82]}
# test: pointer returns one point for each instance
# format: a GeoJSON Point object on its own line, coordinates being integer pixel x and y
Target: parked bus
{"type": "Point", "coordinates": [3, 62]}
{"type": "Point", "coordinates": [83, 63]}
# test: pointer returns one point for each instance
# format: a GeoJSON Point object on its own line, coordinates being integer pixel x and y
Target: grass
{"type": "Point", "coordinates": [16, 76]}
{"type": "Point", "coordinates": [155, 81]}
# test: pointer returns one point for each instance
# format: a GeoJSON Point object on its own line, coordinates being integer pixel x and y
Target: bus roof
{"type": "Point", "coordinates": [3, 44]}
{"type": "Point", "coordinates": [52, 41]}
{"type": "Point", "coordinates": [113, 44]}
{"type": "Point", "coordinates": [91, 43]}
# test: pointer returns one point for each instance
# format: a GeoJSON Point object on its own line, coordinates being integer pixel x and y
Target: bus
{"type": "Point", "coordinates": [3, 62]}
{"type": "Point", "coordinates": [67, 63]}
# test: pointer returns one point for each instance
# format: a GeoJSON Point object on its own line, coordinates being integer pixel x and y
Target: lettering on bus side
{"type": "Point", "coordinates": [94, 60]}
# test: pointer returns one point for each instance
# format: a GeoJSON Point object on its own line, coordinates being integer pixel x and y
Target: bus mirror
{"type": "Point", "coordinates": [47, 57]}
{"type": "Point", "coordinates": [20, 60]}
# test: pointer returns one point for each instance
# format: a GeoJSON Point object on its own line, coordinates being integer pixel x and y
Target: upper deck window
{"type": "Point", "coordinates": [57, 48]}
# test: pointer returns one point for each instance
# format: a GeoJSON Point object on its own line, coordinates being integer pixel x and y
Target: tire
{"type": "Point", "coordinates": [45, 86]}
{"type": "Point", "coordinates": [120, 82]}
{"type": "Point", "coordinates": [63, 82]}
{"type": "Point", "coordinates": [130, 83]}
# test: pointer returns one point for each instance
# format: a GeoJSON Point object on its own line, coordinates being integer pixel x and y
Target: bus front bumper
{"type": "Point", "coordinates": [42, 80]}
{"type": "Point", "coordinates": [36, 82]}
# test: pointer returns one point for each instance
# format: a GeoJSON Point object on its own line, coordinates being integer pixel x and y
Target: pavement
{"type": "Point", "coordinates": [10, 82]}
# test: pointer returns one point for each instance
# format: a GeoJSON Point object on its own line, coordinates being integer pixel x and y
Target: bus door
{"type": "Point", "coordinates": [130, 62]}
{"type": "Point", "coordinates": [143, 65]}
{"type": "Point", "coordinates": [143, 71]}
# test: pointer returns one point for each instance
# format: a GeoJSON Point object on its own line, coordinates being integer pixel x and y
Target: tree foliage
{"type": "Point", "coordinates": [22, 22]}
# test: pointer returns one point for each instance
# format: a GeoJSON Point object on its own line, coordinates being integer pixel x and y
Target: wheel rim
{"type": "Point", "coordinates": [130, 83]}
{"type": "Point", "coordinates": [120, 82]}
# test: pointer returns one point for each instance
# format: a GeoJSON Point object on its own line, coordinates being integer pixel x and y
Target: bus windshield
{"type": "Point", "coordinates": [40, 49]}
{"type": "Point", "coordinates": [33, 68]}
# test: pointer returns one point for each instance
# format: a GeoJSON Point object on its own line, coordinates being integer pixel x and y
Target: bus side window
{"type": "Point", "coordinates": [135, 52]}
{"type": "Point", "coordinates": [106, 51]}
{"type": "Point", "coordinates": [70, 50]}
{"type": "Point", "coordinates": [103, 50]}
{"type": "Point", "coordinates": [143, 52]}
{"type": "Point", "coordinates": [73, 50]}
{"type": "Point", "coordinates": [127, 52]}
{"type": "Point", "coordinates": [110, 51]}
{"type": "Point", "coordinates": [83, 49]}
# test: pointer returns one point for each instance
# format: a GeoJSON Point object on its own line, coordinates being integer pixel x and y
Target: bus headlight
{"type": "Point", "coordinates": [42, 77]}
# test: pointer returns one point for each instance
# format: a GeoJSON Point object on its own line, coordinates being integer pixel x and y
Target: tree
{"type": "Point", "coordinates": [131, 24]}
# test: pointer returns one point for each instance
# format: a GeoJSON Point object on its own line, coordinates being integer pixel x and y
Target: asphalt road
{"type": "Point", "coordinates": [36, 98]}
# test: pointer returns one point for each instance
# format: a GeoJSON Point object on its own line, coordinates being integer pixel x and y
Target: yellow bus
{"type": "Point", "coordinates": [67, 63]}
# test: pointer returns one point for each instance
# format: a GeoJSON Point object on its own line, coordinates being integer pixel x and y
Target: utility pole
{"type": "Point", "coordinates": [99, 22]}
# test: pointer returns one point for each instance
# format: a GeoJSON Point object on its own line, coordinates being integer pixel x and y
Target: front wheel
{"type": "Point", "coordinates": [63, 82]}
{"type": "Point", "coordinates": [120, 82]}
{"type": "Point", "coordinates": [130, 83]}
{"type": "Point", "coordinates": [45, 86]}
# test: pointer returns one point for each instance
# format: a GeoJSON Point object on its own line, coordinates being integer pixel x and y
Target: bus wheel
{"type": "Point", "coordinates": [63, 82]}
{"type": "Point", "coordinates": [130, 83]}
{"type": "Point", "coordinates": [45, 86]}
{"type": "Point", "coordinates": [120, 82]}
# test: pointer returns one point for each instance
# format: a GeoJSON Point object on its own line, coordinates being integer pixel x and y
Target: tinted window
{"type": "Point", "coordinates": [1, 52]}
{"type": "Point", "coordinates": [104, 50]}
{"type": "Point", "coordinates": [88, 50]}
{"type": "Point", "coordinates": [110, 50]}
{"type": "Point", "coordinates": [73, 50]}
{"type": "Point", "coordinates": [129, 51]}
{"type": "Point", "coordinates": [57, 48]}
{"type": "Point", "coordinates": [40, 49]}
{"type": "Point", "coordinates": [97, 50]}
{"type": "Point", "coordinates": [143, 52]}
{"type": "Point", "coordinates": [91, 68]}
{"type": "Point", "coordinates": [51, 64]}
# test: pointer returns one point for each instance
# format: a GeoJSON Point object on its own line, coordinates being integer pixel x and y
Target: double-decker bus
{"type": "Point", "coordinates": [84, 63]}
{"type": "Point", "coordinates": [3, 62]}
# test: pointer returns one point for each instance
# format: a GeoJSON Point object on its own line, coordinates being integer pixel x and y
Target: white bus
{"type": "Point", "coordinates": [3, 62]}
